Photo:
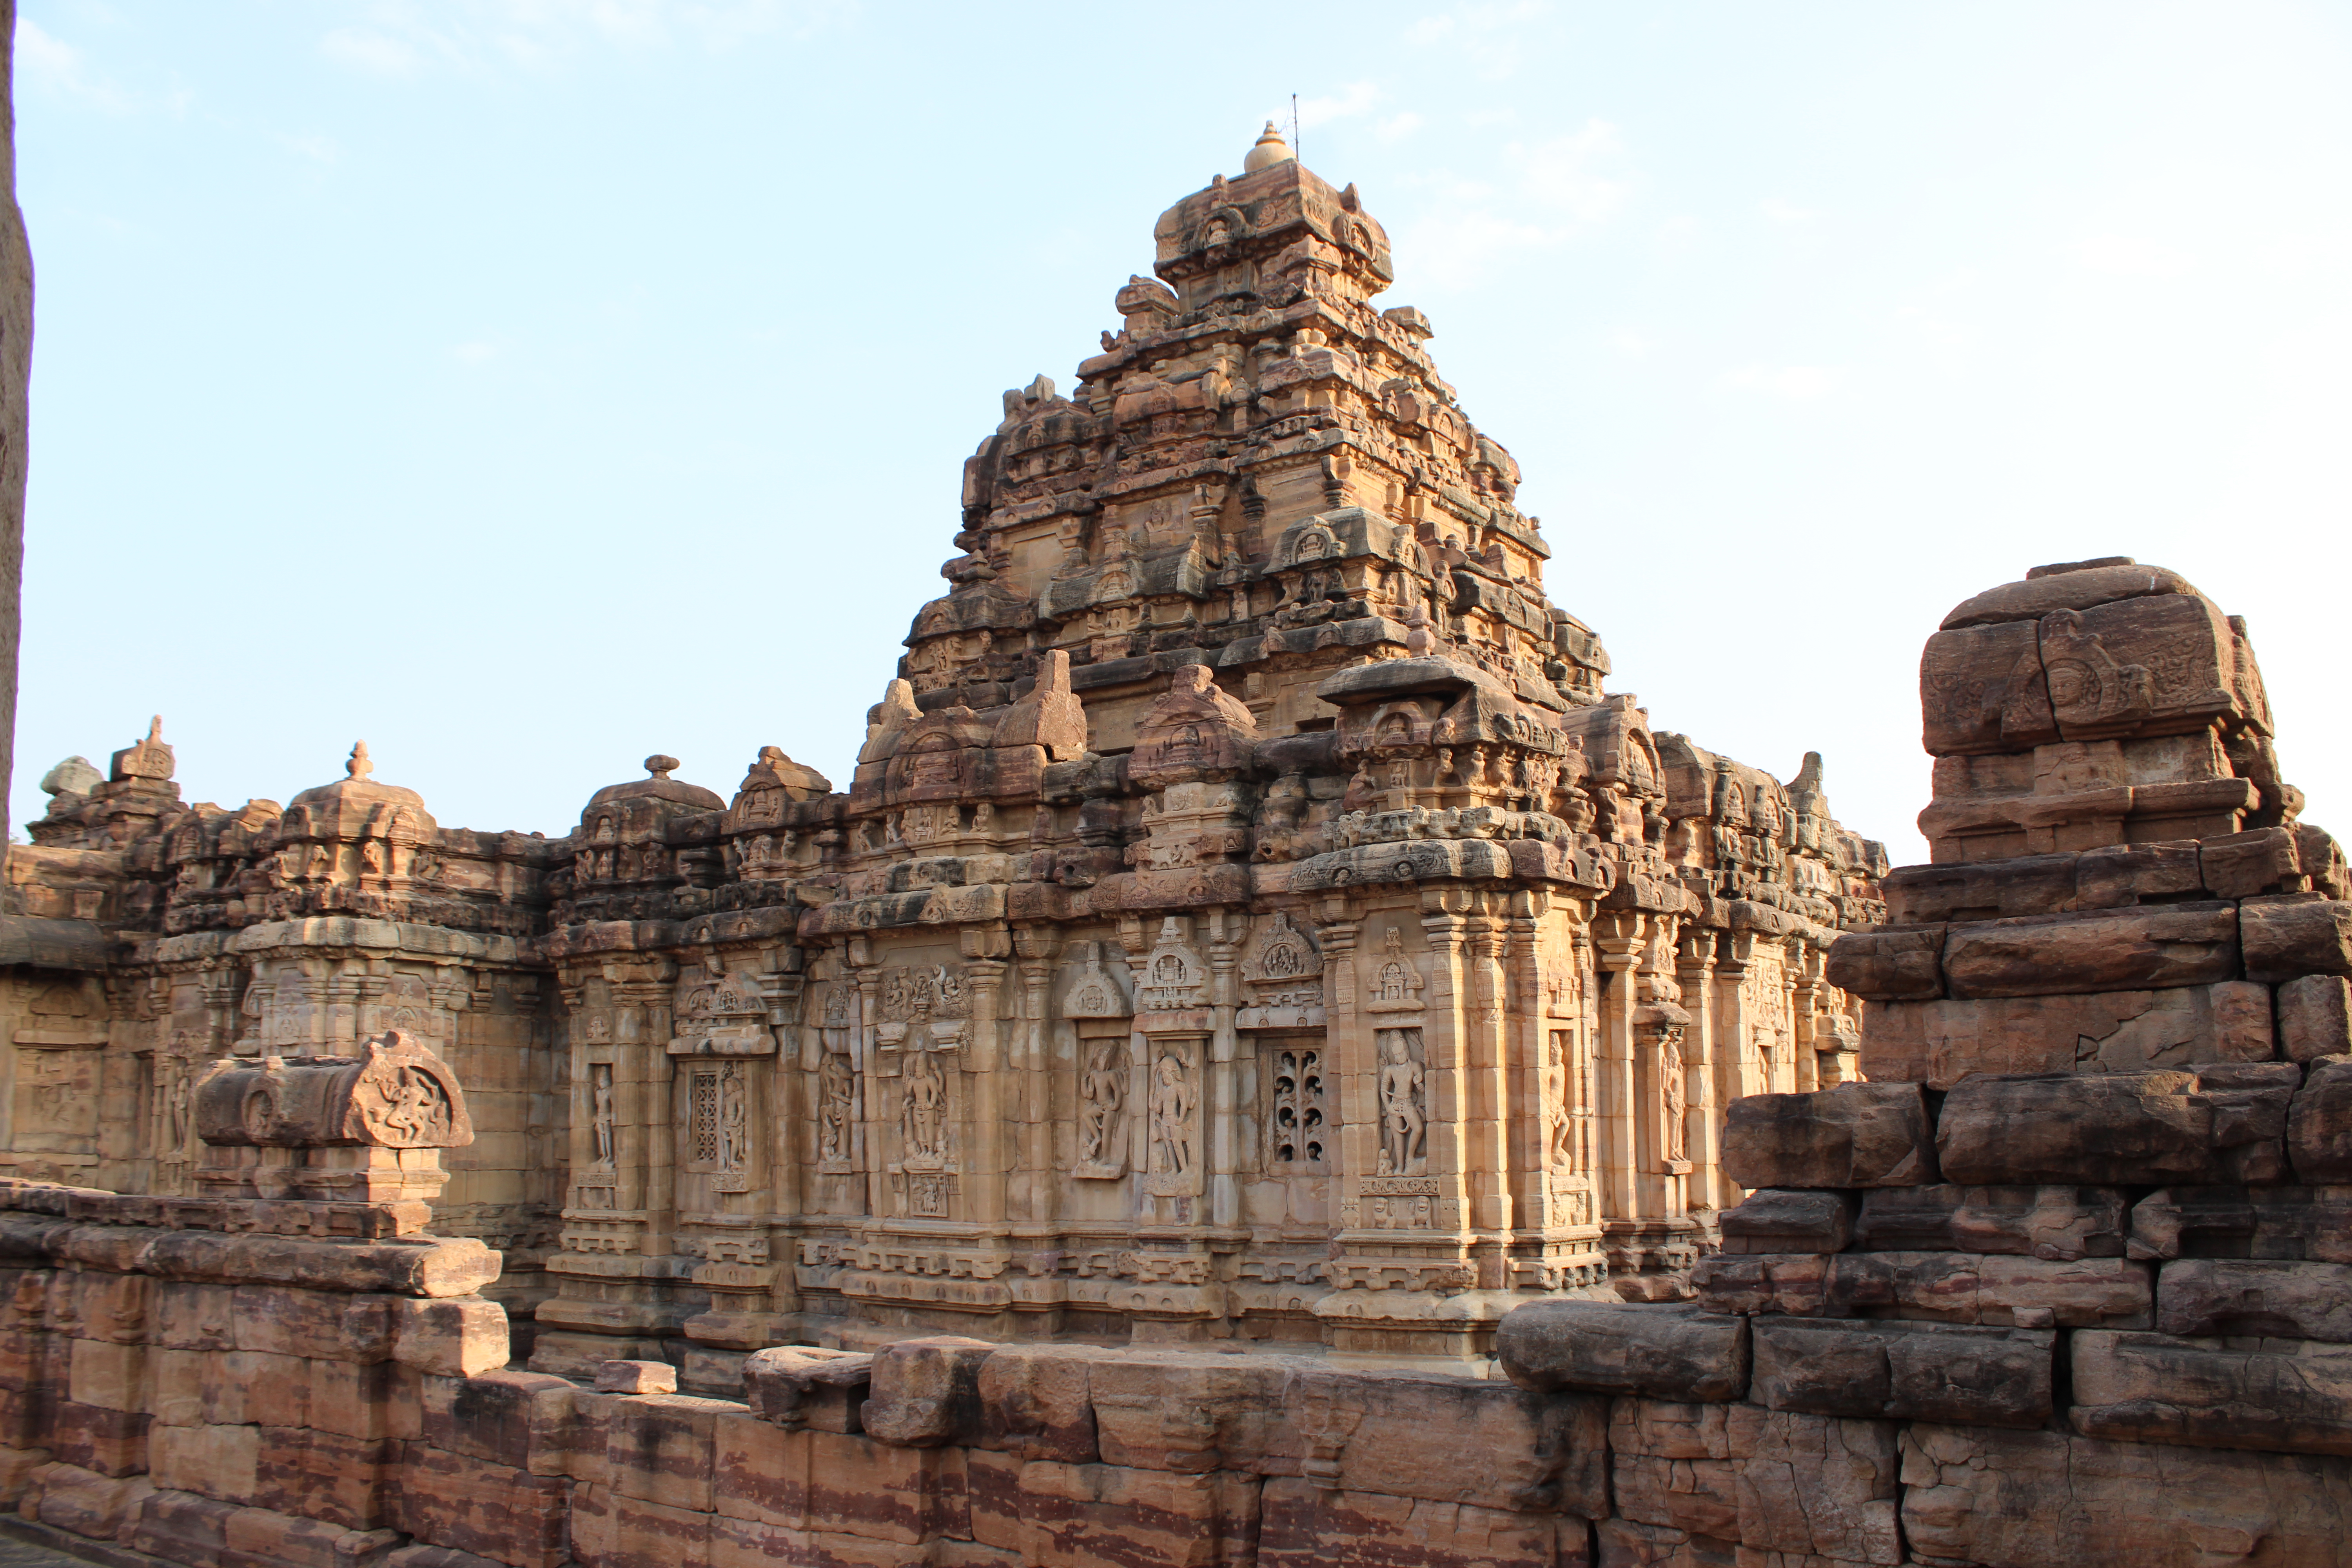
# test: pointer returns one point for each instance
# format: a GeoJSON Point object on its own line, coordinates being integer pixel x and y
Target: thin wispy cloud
{"type": "Point", "coordinates": [1788, 382]}
{"type": "Point", "coordinates": [1481, 29]}
{"type": "Point", "coordinates": [1547, 192]}
{"type": "Point", "coordinates": [410, 38]}
{"type": "Point", "coordinates": [1357, 97]}
{"type": "Point", "coordinates": [324, 151]}
{"type": "Point", "coordinates": [47, 61]}
{"type": "Point", "coordinates": [2131, 256]}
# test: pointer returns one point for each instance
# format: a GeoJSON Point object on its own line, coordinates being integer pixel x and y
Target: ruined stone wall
{"type": "Point", "coordinates": [186, 1380]}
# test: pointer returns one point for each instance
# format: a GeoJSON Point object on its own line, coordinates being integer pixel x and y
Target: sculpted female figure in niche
{"type": "Point", "coordinates": [1674, 1094]}
{"type": "Point", "coordinates": [1103, 1093]}
{"type": "Point", "coordinates": [833, 1094]}
{"type": "Point", "coordinates": [600, 1111]}
{"type": "Point", "coordinates": [1404, 1123]}
{"type": "Point", "coordinates": [1171, 1117]}
{"type": "Point", "coordinates": [923, 1122]}
{"type": "Point", "coordinates": [734, 1120]}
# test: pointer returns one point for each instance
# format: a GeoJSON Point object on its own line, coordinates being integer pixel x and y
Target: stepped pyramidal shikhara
{"type": "Point", "coordinates": [1250, 916]}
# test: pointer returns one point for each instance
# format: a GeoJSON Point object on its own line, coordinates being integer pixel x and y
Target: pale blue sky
{"type": "Point", "coordinates": [526, 386]}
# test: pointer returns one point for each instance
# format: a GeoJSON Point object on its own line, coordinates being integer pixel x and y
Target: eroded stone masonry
{"type": "Point", "coordinates": [1249, 918]}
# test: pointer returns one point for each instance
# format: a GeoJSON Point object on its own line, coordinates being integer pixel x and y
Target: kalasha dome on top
{"type": "Point", "coordinates": [1250, 916]}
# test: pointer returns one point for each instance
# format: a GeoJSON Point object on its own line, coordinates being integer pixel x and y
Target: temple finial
{"type": "Point", "coordinates": [1271, 149]}
{"type": "Point", "coordinates": [359, 767]}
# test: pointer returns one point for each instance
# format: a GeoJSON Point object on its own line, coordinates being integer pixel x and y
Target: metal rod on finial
{"type": "Point", "coordinates": [1294, 156]}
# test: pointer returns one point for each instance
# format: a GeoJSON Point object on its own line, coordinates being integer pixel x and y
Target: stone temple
{"type": "Point", "coordinates": [1250, 917]}
{"type": "Point", "coordinates": [1257, 986]}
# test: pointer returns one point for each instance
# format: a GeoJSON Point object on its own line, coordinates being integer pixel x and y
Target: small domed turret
{"type": "Point", "coordinates": [1271, 149]}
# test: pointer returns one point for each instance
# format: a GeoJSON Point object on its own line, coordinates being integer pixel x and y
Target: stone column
{"type": "Point", "coordinates": [1030, 1198]}
{"type": "Point", "coordinates": [1695, 969]}
{"type": "Point", "coordinates": [1526, 1113]}
{"type": "Point", "coordinates": [1805, 964]}
{"type": "Point", "coordinates": [1351, 1081]}
{"type": "Point", "coordinates": [1229, 1086]}
{"type": "Point", "coordinates": [1617, 939]}
{"type": "Point", "coordinates": [1735, 1068]}
{"type": "Point", "coordinates": [870, 1100]}
{"type": "Point", "coordinates": [641, 1031]}
{"type": "Point", "coordinates": [1456, 1137]}
{"type": "Point", "coordinates": [989, 1103]}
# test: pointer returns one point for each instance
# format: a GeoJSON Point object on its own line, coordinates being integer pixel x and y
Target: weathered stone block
{"type": "Point", "coordinates": [1888, 965]}
{"type": "Point", "coordinates": [2059, 1222]}
{"type": "Point", "coordinates": [1932, 1287]}
{"type": "Point", "coordinates": [2293, 1223]}
{"type": "Point", "coordinates": [1981, 689]}
{"type": "Point", "coordinates": [492, 1511]}
{"type": "Point", "coordinates": [858, 1486]}
{"type": "Point", "coordinates": [435, 1557]}
{"type": "Point", "coordinates": [1916, 1371]}
{"type": "Point", "coordinates": [116, 1307]}
{"type": "Point", "coordinates": [1989, 890]}
{"type": "Point", "coordinates": [111, 1376]}
{"type": "Point", "coordinates": [503, 1417]}
{"type": "Point", "coordinates": [1624, 1543]}
{"type": "Point", "coordinates": [808, 1385]}
{"type": "Point", "coordinates": [328, 1324]}
{"type": "Point", "coordinates": [2292, 935]}
{"type": "Point", "coordinates": [1467, 1440]}
{"type": "Point", "coordinates": [1672, 1466]}
{"type": "Point", "coordinates": [2319, 1124]}
{"type": "Point", "coordinates": [2120, 876]}
{"type": "Point", "coordinates": [1940, 1042]}
{"type": "Point", "coordinates": [1304, 1526]}
{"type": "Point", "coordinates": [759, 1471]}
{"type": "Point", "coordinates": [1108, 1516]}
{"type": "Point", "coordinates": [179, 1528]}
{"type": "Point", "coordinates": [89, 1504]}
{"type": "Point", "coordinates": [1035, 1402]}
{"type": "Point", "coordinates": [1816, 1484]}
{"type": "Point", "coordinates": [2242, 865]}
{"type": "Point", "coordinates": [259, 1535]}
{"type": "Point", "coordinates": [2045, 1499]}
{"type": "Point", "coordinates": [658, 1446]}
{"type": "Point", "coordinates": [1854, 1135]}
{"type": "Point", "coordinates": [2256, 1296]}
{"type": "Point", "coordinates": [2105, 1130]}
{"type": "Point", "coordinates": [91, 1437]}
{"type": "Point", "coordinates": [2286, 1396]}
{"type": "Point", "coordinates": [926, 1392]}
{"type": "Point", "coordinates": [267, 1536]}
{"type": "Point", "coordinates": [1658, 1350]}
{"type": "Point", "coordinates": [1175, 1411]}
{"type": "Point", "coordinates": [1781, 1220]}
{"type": "Point", "coordinates": [452, 1338]}
{"type": "Point", "coordinates": [324, 1475]}
{"type": "Point", "coordinates": [217, 1462]}
{"type": "Point", "coordinates": [2141, 949]}
{"type": "Point", "coordinates": [647, 1534]}
{"type": "Point", "coordinates": [2315, 1017]}
{"type": "Point", "coordinates": [194, 1316]}
{"type": "Point", "coordinates": [636, 1377]}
